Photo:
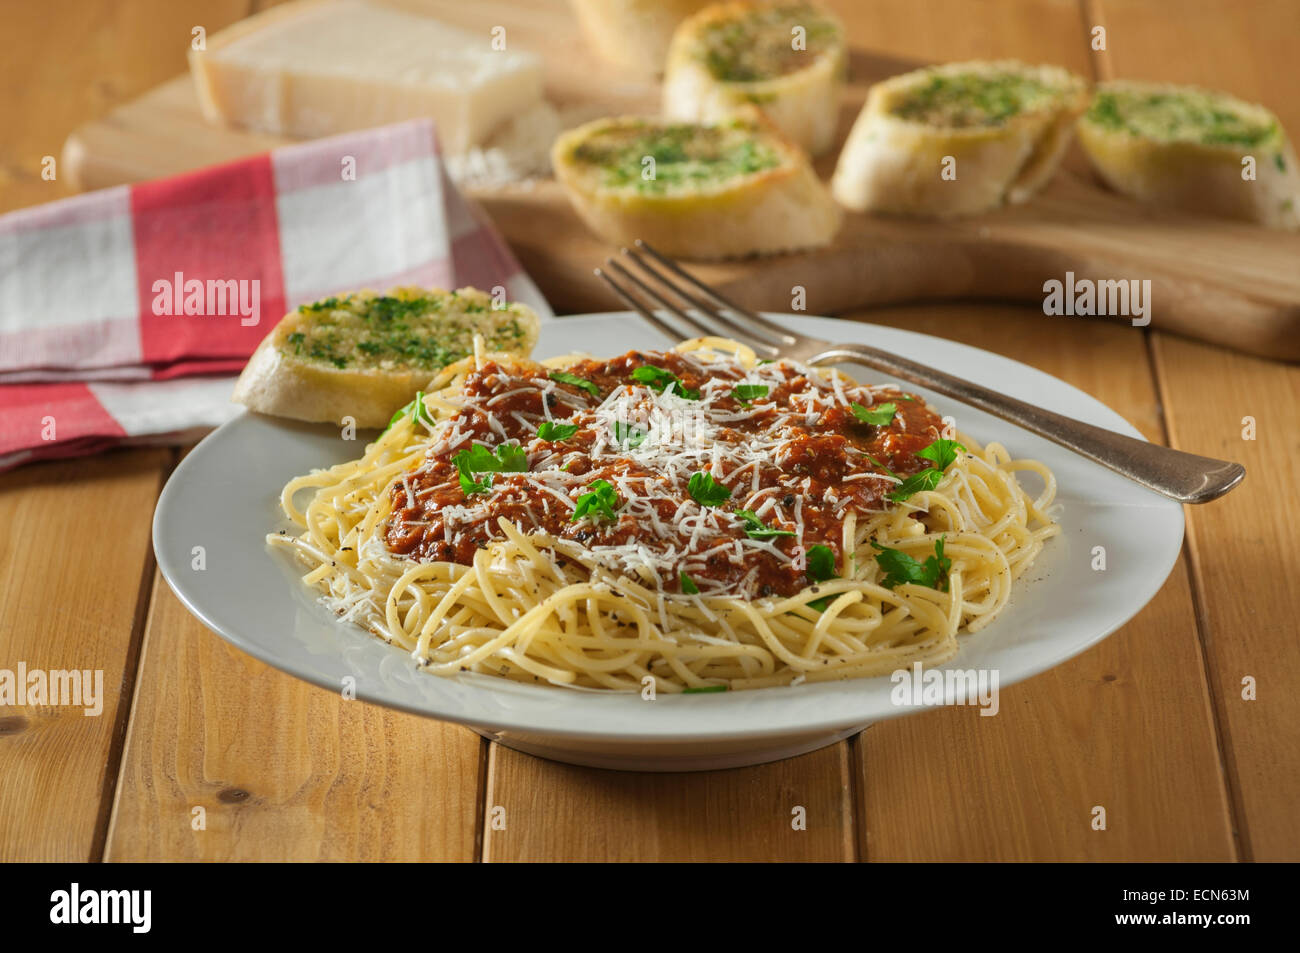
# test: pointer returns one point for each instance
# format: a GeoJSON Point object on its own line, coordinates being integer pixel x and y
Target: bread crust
{"type": "Point", "coordinates": [804, 105]}
{"type": "Point", "coordinates": [1197, 176]}
{"type": "Point", "coordinates": [891, 164]}
{"type": "Point", "coordinates": [784, 208]}
{"type": "Point", "coordinates": [278, 382]}
{"type": "Point", "coordinates": [633, 34]}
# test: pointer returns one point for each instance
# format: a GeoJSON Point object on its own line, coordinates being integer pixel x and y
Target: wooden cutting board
{"type": "Point", "coordinates": [1232, 284]}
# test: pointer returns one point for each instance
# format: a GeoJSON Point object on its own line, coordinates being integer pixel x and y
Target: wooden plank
{"type": "Point", "coordinates": [64, 607]}
{"type": "Point", "coordinates": [559, 812]}
{"type": "Point", "coordinates": [1239, 546]}
{"type": "Point", "coordinates": [75, 560]}
{"type": "Point", "coordinates": [20, 192]}
{"type": "Point", "coordinates": [74, 563]}
{"type": "Point", "coordinates": [1237, 543]}
{"type": "Point", "coordinates": [282, 770]}
{"type": "Point", "coordinates": [74, 60]}
{"type": "Point", "coordinates": [1125, 726]}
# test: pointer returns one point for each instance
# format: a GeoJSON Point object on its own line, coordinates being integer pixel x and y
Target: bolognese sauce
{"type": "Point", "coordinates": [706, 473]}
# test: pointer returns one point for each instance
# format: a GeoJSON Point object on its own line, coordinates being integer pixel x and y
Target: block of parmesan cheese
{"type": "Point", "coordinates": [319, 67]}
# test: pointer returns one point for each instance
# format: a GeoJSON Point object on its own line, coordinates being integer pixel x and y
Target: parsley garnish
{"type": "Point", "coordinates": [573, 380]}
{"type": "Point", "coordinates": [415, 408]}
{"type": "Point", "coordinates": [943, 453]}
{"type": "Point", "coordinates": [876, 416]}
{"type": "Point", "coordinates": [821, 566]}
{"type": "Point", "coordinates": [469, 486]}
{"type": "Point", "coordinates": [707, 491]}
{"type": "Point", "coordinates": [325, 304]}
{"type": "Point", "coordinates": [549, 430]}
{"type": "Point", "coordinates": [688, 584]}
{"type": "Point", "coordinates": [601, 500]}
{"type": "Point", "coordinates": [821, 563]}
{"type": "Point", "coordinates": [927, 479]}
{"type": "Point", "coordinates": [513, 458]}
{"type": "Point", "coordinates": [748, 392]}
{"type": "Point", "coordinates": [628, 436]}
{"type": "Point", "coordinates": [900, 567]}
{"type": "Point", "coordinates": [657, 378]}
{"type": "Point", "coordinates": [757, 529]}
{"type": "Point", "coordinates": [508, 458]}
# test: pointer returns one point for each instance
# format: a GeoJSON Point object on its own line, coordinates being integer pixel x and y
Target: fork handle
{"type": "Point", "coordinates": [1185, 477]}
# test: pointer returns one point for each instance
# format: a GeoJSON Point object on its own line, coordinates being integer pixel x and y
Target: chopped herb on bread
{"type": "Point", "coordinates": [694, 190]}
{"type": "Point", "coordinates": [999, 130]}
{"type": "Point", "coordinates": [789, 59]}
{"type": "Point", "coordinates": [1183, 147]}
{"type": "Point", "coordinates": [633, 34]}
{"type": "Point", "coordinates": [365, 354]}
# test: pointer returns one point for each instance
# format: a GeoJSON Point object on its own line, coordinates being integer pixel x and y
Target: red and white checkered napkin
{"type": "Point", "coordinates": [117, 307]}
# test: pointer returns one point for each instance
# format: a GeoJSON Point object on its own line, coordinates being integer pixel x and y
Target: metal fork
{"type": "Point", "coordinates": [1184, 477]}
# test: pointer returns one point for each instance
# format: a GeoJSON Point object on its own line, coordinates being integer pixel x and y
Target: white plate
{"type": "Point", "coordinates": [224, 495]}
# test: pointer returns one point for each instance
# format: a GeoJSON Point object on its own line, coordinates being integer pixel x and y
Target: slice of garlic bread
{"type": "Point", "coordinates": [695, 190]}
{"type": "Point", "coordinates": [363, 355]}
{"type": "Point", "coordinates": [1189, 148]}
{"type": "Point", "coordinates": [633, 34]}
{"type": "Point", "coordinates": [958, 139]}
{"type": "Point", "coordinates": [788, 58]}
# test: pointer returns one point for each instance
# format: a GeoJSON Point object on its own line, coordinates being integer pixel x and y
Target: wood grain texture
{"type": "Point", "coordinates": [559, 812]}
{"type": "Point", "coordinates": [1243, 547]}
{"type": "Point", "coordinates": [67, 61]}
{"type": "Point", "coordinates": [1244, 556]}
{"type": "Point", "coordinates": [1224, 282]}
{"type": "Point", "coordinates": [283, 771]}
{"type": "Point", "coordinates": [1126, 726]}
{"type": "Point", "coordinates": [74, 61]}
{"type": "Point", "coordinates": [286, 770]}
{"type": "Point", "coordinates": [56, 763]}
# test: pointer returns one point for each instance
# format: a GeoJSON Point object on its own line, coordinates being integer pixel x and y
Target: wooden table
{"type": "Point", "coordinates": [1151, 725]}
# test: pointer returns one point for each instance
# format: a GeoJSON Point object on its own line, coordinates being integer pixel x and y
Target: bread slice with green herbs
{"type": "Point", "coordinates": [958, 139]}
{"type": "Point", "coordinates": [1183, 147]}
{"type": "Point", "coordinates": [365, 354]}
{"type": "Point", "coordinates": [788, 59]}
{"type": "Point", "coordinates": [695, 190]}
{"type": "Point", "coordinates": [633, 34]}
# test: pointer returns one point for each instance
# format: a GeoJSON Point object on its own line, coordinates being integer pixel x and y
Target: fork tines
{"type": "Point", "coordinates": [722, 317]}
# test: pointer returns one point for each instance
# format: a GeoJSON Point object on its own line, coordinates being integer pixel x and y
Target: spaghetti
{"type": "Point", "coordinates": [696, 518]}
